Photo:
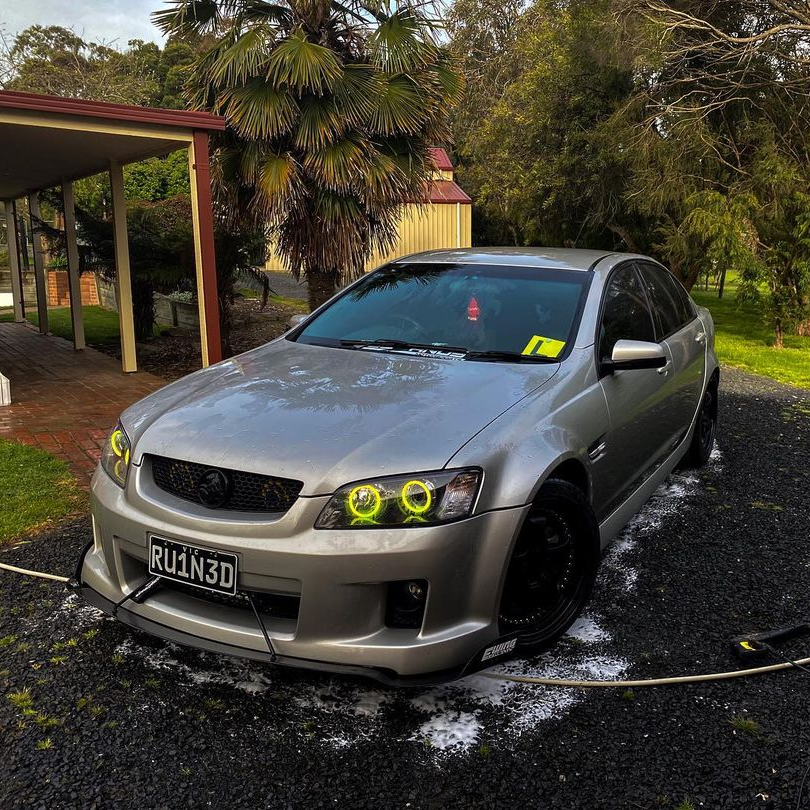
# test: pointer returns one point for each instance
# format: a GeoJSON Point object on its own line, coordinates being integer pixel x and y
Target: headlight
{"type": "Point", "coordinates": [115, 455]}
{"type": "Point", "coordinates": [403, 500]}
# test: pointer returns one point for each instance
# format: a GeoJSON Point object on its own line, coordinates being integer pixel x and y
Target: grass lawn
{"type": "Point", "coordinates": [281, 300]}
{"type": "Point", "coordinates": [745, 340]}
{"type": "Point", "coordinates": [100, 325]}
{"type": "Point", "coordinates": [37, 490]}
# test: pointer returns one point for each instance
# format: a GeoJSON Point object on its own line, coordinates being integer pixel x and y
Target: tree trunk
{"type": "Point", "coordinates": [143, 306]}
{"type": "Point", "coordinates": [322, 285]}
{"type": "Point", "coordinates": [225, 326]}
{"type": "Point", "coordinates": [780, 335]}
{"type": "Point", "coordinates": [722, 287]}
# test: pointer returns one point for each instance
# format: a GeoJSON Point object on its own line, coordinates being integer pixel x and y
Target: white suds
{"type": "Point", "coordinates": [457, 717]}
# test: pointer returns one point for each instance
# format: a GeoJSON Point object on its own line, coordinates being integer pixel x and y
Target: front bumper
{"type": "Point", "coordinates": [339, 577]}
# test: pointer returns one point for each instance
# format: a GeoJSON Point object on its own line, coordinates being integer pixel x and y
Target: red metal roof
{"type": "Point", "coordinates": [441, 159]}
{"type": "Point", "coordinates": [125, 113]}
{"type": "Point", "coordinates": [446, 191]}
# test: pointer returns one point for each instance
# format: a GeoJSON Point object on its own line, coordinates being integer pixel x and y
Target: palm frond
{"type": "Point", "coordinates": [449, 77]}
{"type": "Point", "coordinates": [402, 43]}
{"type": "Point", "coordinates": [303, 65]}
{"type": "Point", "coordinates": [356, 93]}
{"type": "Point", "coordinates": [258, 109]}
{"type": "Point", "coordinates": [399, 108]}
{"type": "Point", "coordinates": [187, 17]}
{"type": "Point", "coordinates": [319, 122]}
{"type": "Point", "coordinates": [339, 164]}
{"type": "Point", "coordinates": [241, 56]}
{"type": "Point", "coordinates": [278, 174]}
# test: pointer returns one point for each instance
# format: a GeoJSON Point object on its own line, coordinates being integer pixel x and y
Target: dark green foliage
{"type": "Point", "coordinates": [679, 130]}
{"type": "Point", "coordinates": [332, 108]}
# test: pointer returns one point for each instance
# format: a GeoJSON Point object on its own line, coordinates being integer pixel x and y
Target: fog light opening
{"type": "Point", "coordinates": [406, 602]}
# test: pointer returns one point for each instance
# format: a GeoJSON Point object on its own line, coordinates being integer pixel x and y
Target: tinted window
{"type": "Point", "coordinates": [476, 307]}
{"type": "Point", "coordinates": [667, 300]}
{"type": "Point", "coordinates": [626, 314]}
{"type": "Point", "coordinates": [687, 304]}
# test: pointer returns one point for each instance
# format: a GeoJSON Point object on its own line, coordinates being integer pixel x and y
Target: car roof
{"type": "Point", "coordinates": [557, 258]}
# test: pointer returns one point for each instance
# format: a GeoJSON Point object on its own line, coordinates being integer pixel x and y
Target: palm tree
{"type": "Point", "coordinates": [332, 107]}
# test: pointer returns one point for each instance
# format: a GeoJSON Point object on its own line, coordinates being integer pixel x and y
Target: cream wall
{"type": "Point", "coordinates": [427, 227]}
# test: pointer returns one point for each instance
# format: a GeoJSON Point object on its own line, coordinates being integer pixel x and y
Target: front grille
{"type": "Point", "coordinates": [278, 605]}
{"type": "Point", "coordinates": [249, 492]}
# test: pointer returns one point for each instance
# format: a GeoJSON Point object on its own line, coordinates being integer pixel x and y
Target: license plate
{"type": "Point", "coordinates": [192, 565]}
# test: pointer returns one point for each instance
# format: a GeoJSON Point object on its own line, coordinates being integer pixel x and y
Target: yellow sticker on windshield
{"type": "Point", "coordinates": [540, 346]}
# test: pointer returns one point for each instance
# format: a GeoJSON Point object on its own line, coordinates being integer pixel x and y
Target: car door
{"type": "Point", "coordinates": [638, 435]}
{"type": "Point", "coordinates": [679, 327]}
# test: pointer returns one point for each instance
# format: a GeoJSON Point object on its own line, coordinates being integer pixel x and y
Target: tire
{"type": "Point", "coordinates": [702, 444]}
{"type": "Point", "coordinates": [552, 567]}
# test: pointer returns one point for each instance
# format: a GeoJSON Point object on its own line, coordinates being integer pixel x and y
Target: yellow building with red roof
{"type": "Point", "coordinates": [442, 220]}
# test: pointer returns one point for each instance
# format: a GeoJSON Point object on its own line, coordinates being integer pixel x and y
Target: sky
{"type": "Point", "coordinates": [113, 22]}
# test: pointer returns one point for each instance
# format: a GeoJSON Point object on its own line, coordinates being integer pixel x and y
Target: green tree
{"type": "Point", "coordinates": [54, 60]}
{"type": "Point", "coordinates": [332, 108]}
{"type": "Point", "coordinates": [538, 157]}
{"type": "Point", "coordinates": [675, 129]}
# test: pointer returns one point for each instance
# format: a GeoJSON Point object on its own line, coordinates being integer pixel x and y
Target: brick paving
{"type": "Point", "coordinates": [64, 401]}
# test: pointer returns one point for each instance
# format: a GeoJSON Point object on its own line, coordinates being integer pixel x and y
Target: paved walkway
{"type": "Point", "coordinates": [284, 284]}
{"type": "Point", "coordinates": [64, 401]}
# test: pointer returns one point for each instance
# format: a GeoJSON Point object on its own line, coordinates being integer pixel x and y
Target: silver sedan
{"type": "Point", "coordinates": [416, 480]}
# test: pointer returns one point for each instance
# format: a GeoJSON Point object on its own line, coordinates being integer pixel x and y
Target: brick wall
{"type": "Point", "coordinates": [59, 290]}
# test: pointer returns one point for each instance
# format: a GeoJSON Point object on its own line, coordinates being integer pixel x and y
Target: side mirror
{"type": "Point", "coordinates": [634, 354]}
{"type": "Point", "coordinates": [296, 320]}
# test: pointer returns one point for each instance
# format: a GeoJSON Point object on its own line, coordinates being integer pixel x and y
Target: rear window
{"type": "Point", "coordinates": [474, 307]}
{"type": "Point", "coordinates": [668, 298]}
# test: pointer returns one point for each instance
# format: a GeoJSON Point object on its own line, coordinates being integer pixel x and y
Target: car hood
{"type": "Point", "coordinates": [327, 416]}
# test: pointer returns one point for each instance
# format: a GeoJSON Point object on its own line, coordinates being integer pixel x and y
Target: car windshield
{"type": "Point", "coordinates": [477, 311]}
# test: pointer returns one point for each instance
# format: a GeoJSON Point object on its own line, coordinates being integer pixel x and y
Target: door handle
{"type": "Point", "coordinates": [700, 337]}
{"type": "Point", "coordinates": [664, 370]}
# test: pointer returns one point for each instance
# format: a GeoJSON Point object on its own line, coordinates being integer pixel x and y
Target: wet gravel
{"type": "Point", "coordinates": [93, 715]}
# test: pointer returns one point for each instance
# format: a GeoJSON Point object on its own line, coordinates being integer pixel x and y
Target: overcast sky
{"type": "Point", "coordinates": [96, 20]}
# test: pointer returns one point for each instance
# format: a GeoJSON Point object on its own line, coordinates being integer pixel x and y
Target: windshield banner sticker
{"type": "Point", "coordinates": [540, 346]}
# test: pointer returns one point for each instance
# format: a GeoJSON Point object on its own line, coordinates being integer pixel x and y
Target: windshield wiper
{"type": "Point", "coordinates": [401, 345]}
{"type": "Point", "coordinates": [508, 357]}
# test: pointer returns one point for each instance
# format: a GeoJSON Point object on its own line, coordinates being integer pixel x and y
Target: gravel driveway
{"type": "Point", "coordinates": [115, 719]}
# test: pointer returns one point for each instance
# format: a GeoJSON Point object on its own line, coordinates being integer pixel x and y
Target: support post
{"type": "Point", "coordinates": [203, 223]}
{"type": "Point", "coordinates": [123, 278]}
{"type": "Point", "coordinates": [14, 262]}
{"type": "Point", "coordinates": [39, 264]}
{"type": "Point", "coordinates": [76, 315]}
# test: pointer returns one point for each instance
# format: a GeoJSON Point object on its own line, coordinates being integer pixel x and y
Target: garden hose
{"type": "Point", "coordinates": [559, 682]}
{"type": "Point", "coordinates": [28, 573]}
{"type": "Point", "coordinates": [678, 679]}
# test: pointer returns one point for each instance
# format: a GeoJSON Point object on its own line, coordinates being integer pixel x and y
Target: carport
{"type": "Point", "coordinates": [48, 142]}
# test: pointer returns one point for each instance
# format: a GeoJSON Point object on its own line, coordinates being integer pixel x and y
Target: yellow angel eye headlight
{"type": "Point", "coordinates": [115, 456]}
{"type": "Point", "coordinates": [118, 443]}
{"type": "Point", "coordinates": [413, 500]}
{"type": "Point", "coordinates": [416, 497]}
{"type": "Point", "coordinates": [365, 502]}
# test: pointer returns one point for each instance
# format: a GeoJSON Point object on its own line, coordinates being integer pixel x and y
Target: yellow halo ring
{"type": "Point", "coordinates": [411, 507]}
{"type": "Point", "coordinates": [117, 442]}
{"type": "Point", "coordinates": [375, 509]}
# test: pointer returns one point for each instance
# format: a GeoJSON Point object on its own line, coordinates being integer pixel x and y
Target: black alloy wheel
{"type": "Point", "coordinates": [705, 429]}
{"type": "Point", "coordinates": [552, 568]}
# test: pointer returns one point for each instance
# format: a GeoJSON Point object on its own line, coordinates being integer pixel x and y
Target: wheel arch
{"type": "Point", "coordinates": [571, 470]}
